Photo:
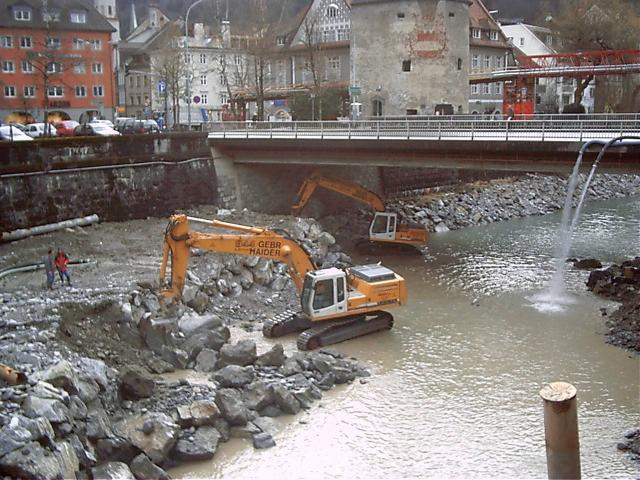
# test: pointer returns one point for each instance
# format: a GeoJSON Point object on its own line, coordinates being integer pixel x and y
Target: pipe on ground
{"type": "Point", "coordinates": [51, 227]}
{"type": "Point", "coordinates": [561, 430]}
{"type": "Point", "coordinates": [30, 267]}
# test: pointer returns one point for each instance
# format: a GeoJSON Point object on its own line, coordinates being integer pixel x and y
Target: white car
{"type": "Point", "coordinates": [95, 129]}
{"type": "Point", "coordinates": [35, 130]}
{"type": "Point", "coordinates": [108, 123]}
{"type": "Point", "coordinates": [10, 133]}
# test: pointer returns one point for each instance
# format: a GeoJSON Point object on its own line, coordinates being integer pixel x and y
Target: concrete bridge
{"type": "Point", "coordinates": [267, 156]}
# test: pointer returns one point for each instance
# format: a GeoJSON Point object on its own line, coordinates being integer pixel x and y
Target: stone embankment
{"type": "Point", "coordinates": [96, 405]}
{"type": "Point", "coordinates": [498, 200]}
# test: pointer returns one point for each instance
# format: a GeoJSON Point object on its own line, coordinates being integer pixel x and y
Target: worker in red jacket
{"type": "Point", "coordinates": [62, 260]}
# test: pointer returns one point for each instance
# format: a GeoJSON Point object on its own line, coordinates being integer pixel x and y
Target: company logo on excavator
{"type": "Point", "coordinates": [270, 248]}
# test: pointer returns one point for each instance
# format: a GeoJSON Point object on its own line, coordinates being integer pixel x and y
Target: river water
{"type": "Point", "coordinates": [454, 390]}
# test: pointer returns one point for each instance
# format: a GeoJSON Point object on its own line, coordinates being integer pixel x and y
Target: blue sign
{"type": "Point", "coordinates": [205, 114]}
{"type": "Point", "coordinates": [162, 86]}
{"type": "Point", "coordinates": [279, 103]}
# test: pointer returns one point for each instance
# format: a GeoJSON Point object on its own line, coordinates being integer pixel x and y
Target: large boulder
{"type": "Point", "coordinates": [241, 353]}
{"type": "Point", "coordinates": [234, 376]}
{"type": "Point", "coordinates": [136, 383]}
{"type": "Point", "coordinates": [285, 399]}
{"type": "Point", "coordinates": [153, 433]}
{"type": "Point", "coordinates": [587, 264]}
{"type": "Point", "coordinates": [112, 471]}
{"type": "Point", "coordinates": [192, 324]}
{"type": "Point", "coordinates": [156, 332]}
{"type": "Point", "coordinates": [263, 440]}
{"type": "Point", "coordinates": [67, 459]}
{"type": "Point", "coordinates": [257, 395]}
{"type": "Point", "coordinates": [273, 358]}
{"type": "Point", "coordinates": [199, 413]}
{"type": "Point", "coordinates": [231, 406]}
{"type": "Point", "coordinates": [144, 469]}
{"type": "Point", "coordinates": [62, 375]}
{"type": "Point", "coordinates": [212, 339]}
{"type": "Point", "coordinates": [202, 445]}
{"type": "Point", "coordinates": [116, 449]}
{"type": "Point", "coordinates": [32, 461]}
{"type": "Point", "coordinates": [53, 410]}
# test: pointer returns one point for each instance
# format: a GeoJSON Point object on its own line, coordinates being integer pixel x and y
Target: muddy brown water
{"type": "Point", "coordinates": [454, 391]}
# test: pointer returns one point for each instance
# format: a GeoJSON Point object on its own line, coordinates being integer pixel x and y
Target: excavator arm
{"type": "Point", "coordinates": [349, 189]}
{"type": "Point", "coordinates": [253, 241]}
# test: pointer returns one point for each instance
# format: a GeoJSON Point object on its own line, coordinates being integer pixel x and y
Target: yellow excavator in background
{"type": "Point", "coordinates": [336, 304]}
{"type": "Point", "coordinates": [384, 226]}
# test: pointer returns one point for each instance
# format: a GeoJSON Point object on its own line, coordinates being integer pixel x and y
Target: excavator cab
{"type": "Point", "coordinates": [324, 293]}
{"type": "Point", "coordinates": [383, 226]}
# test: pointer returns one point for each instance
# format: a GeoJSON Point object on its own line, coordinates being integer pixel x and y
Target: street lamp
{"type": "Point", "coordinates": [188, 60]}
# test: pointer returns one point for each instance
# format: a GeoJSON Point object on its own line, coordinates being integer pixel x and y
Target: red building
{"type": "Point", "coordinates": [55, 61]}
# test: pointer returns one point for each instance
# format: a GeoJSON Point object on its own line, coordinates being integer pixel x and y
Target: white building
{"type": "Point", "coordinates": [552, 94]}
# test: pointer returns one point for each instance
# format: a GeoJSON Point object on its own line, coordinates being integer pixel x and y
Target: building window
{"type": "Point", "coordinates": [55, 91]}
{"type": "Point", "coordinates": [53, 42]}
{"type": "Point", "coordinates": [54, 67]}
{"type": "Point", "coordinates": [334, 63]}
{"type": "Point", "coordinates": [78, 16]}
{"type": "Point", "coordinates": [96, 44]}
{"type": "Point", "coordinates": [343, 33]}
{"type": "Point", "coordinates": [110, 10]}
{"type": "Point", "coordinates": [203, 98]}
{"type": "Point", "coordinates": [498, 88]}
{"type": "Point", "coordinates": [459, 64]}
{"type": "Point", "coordinates": [452, 14]}
{"type": "Point", "coordinates": [203, 58]}
{"type": "Point", "coordinates": [187, 58]}
{"type": "Point", "coordinates": [25, 42]}
{"type": "Point", "coordinates": [550, 40]}
{"type": "Point", "coordinates": [474, 89]}
{"type": "Point", "coordinates": [131, 82]}
{"type": "Point", "coordinates": [485, 89]}
{"type": "Point", "coordinates": [493, 35]}
{"type": "Point", "coordinates": [78, 44]}
{"type": "Point", "coordinates": [498, 61]}
{"type": "Point", "coordinates": [9, 91]}
{"type": "Point", "coordinates": [131, 100]}
{"type": "Point", "coordinates": [137, 80]}
{"type": "Point", "coordinates": [406, 65]}
{"type": "Point", "coordinates": [98, 91]}
{"type": "Point", "coordinates": [377, 107]}
{"type": "Point", "coordinates": [223, 99]}
{"type": "Point", "coordinates": [475, 61]}
{"type": "Point", "coordinates": [223, 80]}
{"type": "Point", "coordinates": [487, 61]}
{"type": "Point", "coordinates": [6, 41]}
{"type": "Point", "coordinates": [79, 68]}
{"type": "Point", "coordinates": [27, 67]}
{"type": "Point", "coordinates": [522, 41]}
{"type": "Point", "coordinates": [203, 79]}
{"type": "Point", "coordinates": [81, 91]}
{"type": "Point", "coordinates": [8, 67]}
{"type": "Point", "coordinates": [139, 99]}
{"type": "Point", "coordinates": [237, 59]}
{"type": "Point", "coordinates": [22, 14]}
{"type": "Point", "coordinates": [399, 15]}
{"type": "Point", "coordinates": [280, 41]}
{"type": "Point", "coordinates": [332, 11]}
{"type": "Point", "coordinates": [29, 91]}
{"type": "Point", "coordinates": [475, 32]}
{"type": "Point", "coordinates": [96, 67]}
{"type": "Point", "coordinates": [145, 81]}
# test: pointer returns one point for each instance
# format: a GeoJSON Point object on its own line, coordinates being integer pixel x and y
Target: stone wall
{"type": "Point", "coordinates": [113, 193]}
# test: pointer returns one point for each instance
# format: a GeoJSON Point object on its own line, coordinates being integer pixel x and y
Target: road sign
{"type": "Point", "coordinates": [196, 99]}
{"type": "Point", "coordinates": [162, 86]}
{"type": "Point", "coordinates": [355, 90]}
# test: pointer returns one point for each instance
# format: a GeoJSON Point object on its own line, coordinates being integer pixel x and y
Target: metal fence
{"type": "Point", "coordinates": [560, 129]}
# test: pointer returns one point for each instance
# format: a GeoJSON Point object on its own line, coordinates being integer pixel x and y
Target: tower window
{"type": "Point", "coordinates": [406, 65]}
{"type": "Point", "coordinates": [400, 14]}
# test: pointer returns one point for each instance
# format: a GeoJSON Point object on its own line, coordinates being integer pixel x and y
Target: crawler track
{"type": "Point", "coordinates": [285, 323]}
{"type": "Point", "coordinates": [338, 331]}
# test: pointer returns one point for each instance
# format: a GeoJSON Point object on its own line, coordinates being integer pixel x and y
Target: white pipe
{"type": "Point", "coordinates": [51, 227]}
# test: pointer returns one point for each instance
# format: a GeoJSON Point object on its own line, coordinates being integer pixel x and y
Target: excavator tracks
{"type": "Point", "coordinates": [285, 323]}
{"type": "Point", "coordinates": [364, 246]}
{"type": "Point", "coordinates": [341, 330]}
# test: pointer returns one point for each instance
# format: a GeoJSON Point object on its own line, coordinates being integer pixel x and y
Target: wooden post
{"type": "Point", "coordinates": [561, 430]}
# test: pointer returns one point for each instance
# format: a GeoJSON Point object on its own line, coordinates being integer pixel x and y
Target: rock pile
{"type": "Point", "coordinates": [499, 200]}
{"type": "Point", "coordinates": [622, 284]}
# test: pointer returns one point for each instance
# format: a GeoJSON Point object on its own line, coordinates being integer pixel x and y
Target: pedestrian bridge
{"type": "Point", "coordinates": [537, 144]}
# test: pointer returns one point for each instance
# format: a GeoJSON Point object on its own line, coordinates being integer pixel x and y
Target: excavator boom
{"type": "Point", "coordinates": [253, 241]}
{"type": "Point", "coordinates": [349, 189]}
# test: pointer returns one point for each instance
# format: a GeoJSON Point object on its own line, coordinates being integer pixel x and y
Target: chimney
{"type": "Point", "coordinates": [198, 33]}
{"type": "Point", "coordinates": [134, 19]}
{"type": "Point", "coordinates": [154, 15]}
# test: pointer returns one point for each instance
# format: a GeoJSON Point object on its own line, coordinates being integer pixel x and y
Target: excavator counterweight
{"type": "Point", "coordinates": [336, 304]}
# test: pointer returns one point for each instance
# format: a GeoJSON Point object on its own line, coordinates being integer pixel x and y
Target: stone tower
{"type": "Point", "coordinates": [415, 60]}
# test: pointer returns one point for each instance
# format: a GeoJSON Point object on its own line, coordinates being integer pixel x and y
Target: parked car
{"type": "Point", "coordinates": [120, 121]}
{"type": "Point", "coordinates": [35, 130]}
{"type": "Point", "coordinates": [11, 133]}
{"type": "Point", "coordinates": [66, 128]}
{"type": "Point", "coordinates": [132, 125]}
{"type": "Point", "coordinates": [95, 129]}
{"type": "Point", "coordinates": [108, 123]}
{"type": "Point", "coordinates": [18, 125]}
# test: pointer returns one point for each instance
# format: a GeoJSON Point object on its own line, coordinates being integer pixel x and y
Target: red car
{"type": "Point", "coordinates": [66, 128]}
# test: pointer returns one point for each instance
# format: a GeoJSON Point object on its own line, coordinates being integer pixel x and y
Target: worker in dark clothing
{"type": "Point", "coordinates": [49, 267]}
{"type": "Point", "coordinates": [62, 260]}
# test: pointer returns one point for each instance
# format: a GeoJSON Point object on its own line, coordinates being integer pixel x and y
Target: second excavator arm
{"type": "Point", "coordinates": [253, 241]}
{"type": "Point", "coordinates": [349, 189]}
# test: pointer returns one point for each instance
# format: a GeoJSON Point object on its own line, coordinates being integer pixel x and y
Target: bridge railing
{"type": "Point", "coordinates": [434, 128]}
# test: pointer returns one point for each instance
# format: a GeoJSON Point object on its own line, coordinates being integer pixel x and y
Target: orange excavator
{"type": "Point", "coordinates": [384, 227]}
{"type": "Point", "coordinates": [336, 304]}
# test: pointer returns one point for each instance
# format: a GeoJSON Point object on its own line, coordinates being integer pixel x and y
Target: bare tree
{"type": "Point", "coordinates": [169, 65]}
{"type": "Point", "coordinates": [314, 60]}
{"type": "Point", "coordinates": [234, 76]}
